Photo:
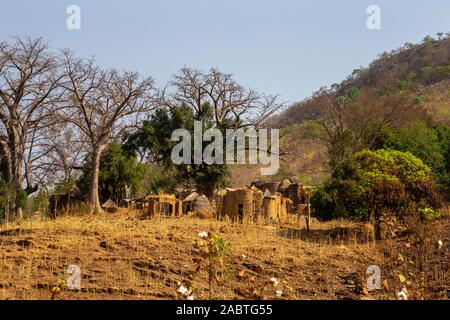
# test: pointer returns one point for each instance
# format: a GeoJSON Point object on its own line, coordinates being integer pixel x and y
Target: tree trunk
{"type": "Point", "coordinates": [374, 218]}
{"type": "Point", "coordinates": [377, 231]}
{"type": "Point", "coordinates": [94, 200]}
{"type": "Point", "coordinates": [19, 212]}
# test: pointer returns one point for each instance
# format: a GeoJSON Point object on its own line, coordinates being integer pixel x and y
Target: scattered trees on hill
{"type": "Point", "coordinates": [418, 64]}
{"type": "Point", "coordinates": [354, 121]}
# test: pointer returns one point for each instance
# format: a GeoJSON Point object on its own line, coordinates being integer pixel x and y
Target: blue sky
{"type": "Point", "coordinates": [286, 47]}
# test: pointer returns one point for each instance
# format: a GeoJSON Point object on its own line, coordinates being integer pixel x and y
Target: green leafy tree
{"type": "Point", "coordinates": [429, 143]}
{"type": "Point", "coordinates": [153, 142]}
{"type": "Point", "coordinates": [371, 183]}
{"type": "Point", "coordinates": [160, 179]}
{"type": "Point", "coordinates": [118, 171]}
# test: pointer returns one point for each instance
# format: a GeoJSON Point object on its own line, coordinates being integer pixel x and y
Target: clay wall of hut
{"type": "Point", "coordinates": [162, 205]}
{"type": "Point", "coordinates": [252, 205]}
{"type": "Point", "coordinates": [269, 208]}
{"type": "Point", "coordinates": [258, 200]}
{"type": "Point", "coordinates": [237, 205]}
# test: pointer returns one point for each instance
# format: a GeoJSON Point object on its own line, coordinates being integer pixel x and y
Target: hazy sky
{"type": "Point", "coordinates": [286, 47]}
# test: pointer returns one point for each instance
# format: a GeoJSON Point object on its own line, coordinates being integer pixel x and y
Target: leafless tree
{"type": "Point", "coordinates": [102, 104]}
{"type": "Point", "coordinates": [62, 155]}
{"type": "Point", "coordinates": [351, 124]}
{"type": "Point", "coordinates": [29, 93]}
{"type": "Point", "coordinates": [230, 101]}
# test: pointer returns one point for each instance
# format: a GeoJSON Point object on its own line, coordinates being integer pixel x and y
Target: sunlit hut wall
{"type": "Point", "coordinates": [269, 207]}
{"type": "Point", "coordinates": [219, 199]}
{"type": "Point", "coordinates": [164, 204]}
{"type": "Point", "coordinates": [286, 204]}
{"type": "Point", "coordinates": [236, 204]}
{"type": "Point", "coordinates": [244, 202]}
{"type": "Point", "coordinates": [275, 207]}
{"type": "Point", "coordinates": [258, 200]}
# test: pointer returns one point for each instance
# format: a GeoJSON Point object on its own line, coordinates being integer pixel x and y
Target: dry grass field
{"type": "Point", "coordinates": [124, 257]}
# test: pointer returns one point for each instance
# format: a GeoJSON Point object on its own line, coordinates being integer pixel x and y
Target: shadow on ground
{"type": "Point", "coordinates": [335, 235]}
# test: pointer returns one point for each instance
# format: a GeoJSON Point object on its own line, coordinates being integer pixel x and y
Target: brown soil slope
{"type": "Point", "coordinates": [123, 257]}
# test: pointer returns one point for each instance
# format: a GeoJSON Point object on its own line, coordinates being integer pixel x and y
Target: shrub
{"type": "Point", "coordinates": [373, 182]}
{"type": "Point", "coordinates": [428, 214]}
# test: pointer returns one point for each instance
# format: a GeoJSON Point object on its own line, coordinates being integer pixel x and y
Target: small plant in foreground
{"type": "Point", "coordinates": [213, 258]}
{"type": "Point", "coordinates": [268, 289]}
{"type": "Point", "coordinates": [55, 291]}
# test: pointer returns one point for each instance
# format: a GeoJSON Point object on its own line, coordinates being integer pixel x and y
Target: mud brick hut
{"type": "Point", "coordinates": [236, 204]}
{"type": "Point", "coordinates": [291, 189]}
{"type": "Point", "coordinates": [109, 206]}
{"type": "Point", "coordinates": [188, 202]}
{"type": "Point", "coordinates": [162, 205]}
{"type": "Point", "coordinates": [65, 202]}
{"type": "Point", "coordinates": [275, 207]}
{"type": "Point", "coordinates": [198, 205]}
{"type": "Point", "coordinates": [251, 205]}
{"type": "Point", "coordinates": [128, 203]}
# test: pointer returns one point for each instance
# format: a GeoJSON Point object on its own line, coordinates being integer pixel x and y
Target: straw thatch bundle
{"type": "Point", "coordinates": [110, 206]}
{"type": "Point", "coordinates": [191, 197]}
{"type": "Point", "coordinates": [202, 204]}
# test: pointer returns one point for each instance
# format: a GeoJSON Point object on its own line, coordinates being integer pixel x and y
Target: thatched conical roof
{"type": "Point", "coordinates": [191, 197]}
{"type": "Point", "coordinates": [109, 204]}
{"type": "Point", "coordinates": [202, 203]}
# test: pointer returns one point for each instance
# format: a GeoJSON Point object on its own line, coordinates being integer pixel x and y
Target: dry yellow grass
{"type": "Point", "coordinates": [123, 257]}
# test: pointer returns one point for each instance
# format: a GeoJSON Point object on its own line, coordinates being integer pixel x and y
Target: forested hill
{"type": "Point", "coordinates": [423, 69]}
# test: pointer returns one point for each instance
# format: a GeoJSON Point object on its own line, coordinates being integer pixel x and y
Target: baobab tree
{"type": "Point", "coordinates": [232, 103]}
{"type": "Point", "coordinates": [103, 104]}
{"type": "Point", "coordinates": [30, 90]}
